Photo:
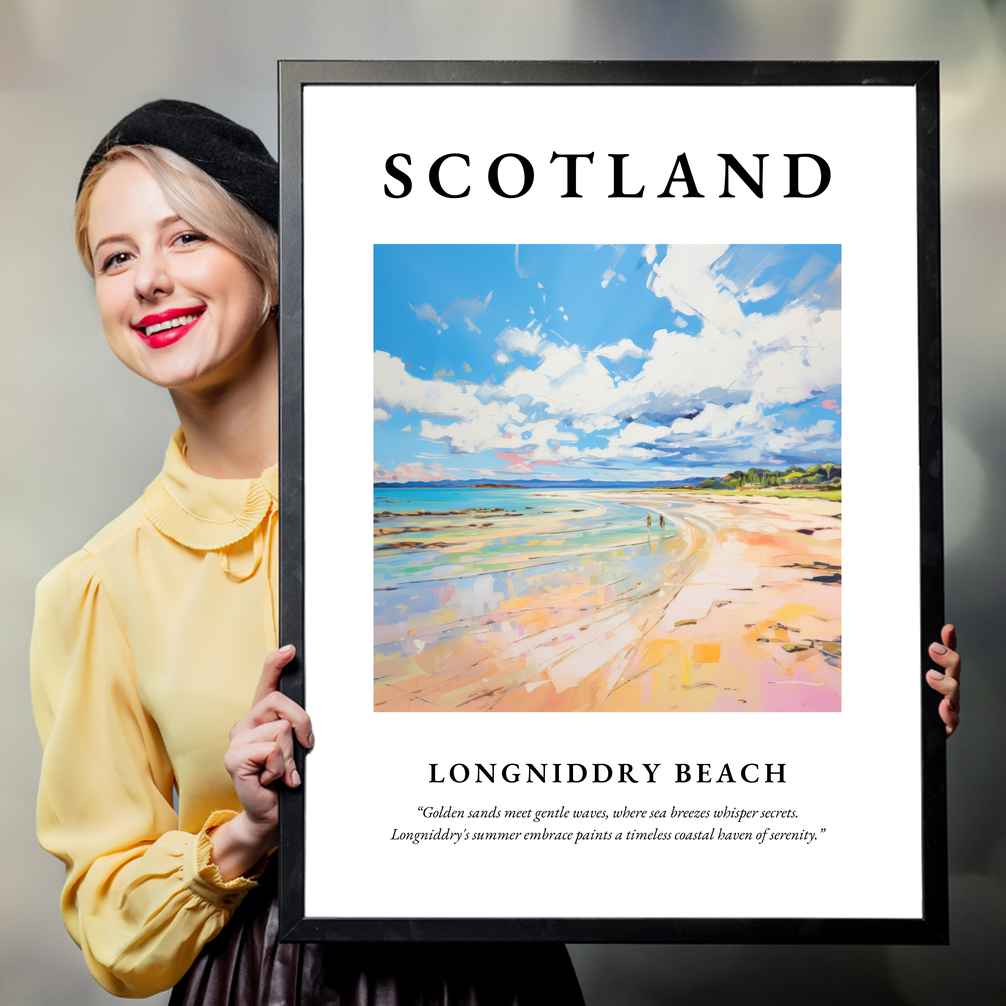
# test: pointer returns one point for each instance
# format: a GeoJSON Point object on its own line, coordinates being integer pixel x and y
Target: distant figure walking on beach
{"type": "Point", "coordinates": [661, 520]}
{"type": "Point", "coordinates": [649, 521]}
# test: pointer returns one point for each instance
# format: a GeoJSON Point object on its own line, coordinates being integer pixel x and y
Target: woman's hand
{"type": "Point", "coordinates": [947, 682]}
{"type": "Point", "coordinates": [260, 753]}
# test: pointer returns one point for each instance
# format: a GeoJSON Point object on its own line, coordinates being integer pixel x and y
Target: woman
{"type": "Point", "coordinates": [148, 643]}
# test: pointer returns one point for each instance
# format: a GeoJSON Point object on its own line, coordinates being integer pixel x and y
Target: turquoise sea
{"type": "Point", "coordinates": [449, 557]}
{"type": "Point", "coordinates": [496, 529]}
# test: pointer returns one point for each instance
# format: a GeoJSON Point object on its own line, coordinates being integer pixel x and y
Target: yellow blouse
{"type": "Point", "coordinates": [147, 647]}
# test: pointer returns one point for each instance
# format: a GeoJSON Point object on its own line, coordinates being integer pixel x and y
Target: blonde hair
{"type": "Point", "coordinates": [199, 200]}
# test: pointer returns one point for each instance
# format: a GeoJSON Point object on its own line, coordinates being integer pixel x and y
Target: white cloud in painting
{"type": "Point", "coordinates": [591, 424]}
{"type": "Point", "coordinates": [762, 292]}
{"type": "Point", "coordinates": [798, 352]}
{"type": "Point", "coordinates": [426, 312]}
{"type": "Point", "coordinates": [714, 396]}
{"type": "Point", "coordinates": [517, 340]}
{"type": "Point", "coordinates": [622, 349]}
{"type": "Point", "coordinates": [465, 309]}
{"type": "Point", "coordinates": [546, 438]}
{"type": "Point", "coordinates": [396, 388]}
{"type": "Point", "coordinates": [503, 429]}
{"type": "Point", "coordinates": [566, 383]}
{"type": "Point", "coordinates": [489, 425]}
{"type": "Point", "coordinates": [779, 359]}
{"type": "Point", "coordinates": [415, 471]}
{"type": "Point", "coordinates": [634, 434]}
{"type": "Point", "coordinates": [684, 277]}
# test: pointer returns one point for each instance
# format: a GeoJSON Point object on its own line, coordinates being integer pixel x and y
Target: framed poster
{"type": "Point", "coordinates": [610, 443]}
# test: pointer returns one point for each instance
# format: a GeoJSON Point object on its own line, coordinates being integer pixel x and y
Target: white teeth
{"type": "Point", "coordinates": [173, 323]}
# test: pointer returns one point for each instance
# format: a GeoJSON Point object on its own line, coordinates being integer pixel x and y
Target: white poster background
{"type": "Point", "coordinates": [855, 773]}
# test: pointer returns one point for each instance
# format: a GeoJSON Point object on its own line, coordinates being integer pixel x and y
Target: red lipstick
{"type": "Point", "coordinates": [166, 328]}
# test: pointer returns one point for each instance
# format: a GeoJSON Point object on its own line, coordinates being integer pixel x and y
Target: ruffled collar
{"type": "Point", "coordinates": [203, 513]}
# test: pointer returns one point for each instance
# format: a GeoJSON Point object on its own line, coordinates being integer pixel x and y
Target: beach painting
{"type": "Point", "coordinates": [607, 478]}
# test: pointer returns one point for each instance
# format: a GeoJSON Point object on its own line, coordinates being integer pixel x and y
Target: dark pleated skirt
{"type": "Point", "coordinates": [246, 965]}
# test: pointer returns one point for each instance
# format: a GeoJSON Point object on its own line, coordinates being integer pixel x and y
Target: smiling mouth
{"type": "Point", "coordinates": [165, 324]}
{"type": "Point", "coordinates": [167, 327]}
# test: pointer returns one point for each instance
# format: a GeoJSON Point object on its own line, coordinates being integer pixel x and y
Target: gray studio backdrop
{"type": "Point", "coordinates": [82, 437]}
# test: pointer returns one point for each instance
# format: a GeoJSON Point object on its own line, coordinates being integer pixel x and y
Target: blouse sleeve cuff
{"type": "Point", "coordinates": [202, 876]}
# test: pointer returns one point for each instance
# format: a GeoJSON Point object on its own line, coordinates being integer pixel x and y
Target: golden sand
{"type": "Point", "coordinates": [747, 618]}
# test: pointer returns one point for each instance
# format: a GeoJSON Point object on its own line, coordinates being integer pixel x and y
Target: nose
{"type": "Point", "coordinates": [152, 277]}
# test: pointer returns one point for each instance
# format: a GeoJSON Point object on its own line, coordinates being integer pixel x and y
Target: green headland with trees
{"type": "Point", "coordinates": [820, 481]}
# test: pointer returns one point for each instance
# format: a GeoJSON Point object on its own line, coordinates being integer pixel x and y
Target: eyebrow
{"type": "Point", "coordinates": [160, 225]}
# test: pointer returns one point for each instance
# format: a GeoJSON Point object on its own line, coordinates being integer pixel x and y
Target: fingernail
{"type": "Point", "coordinates": [938, 648]}
{"type": "Point", "coordinates": [295, 777]}
{"type": "Point", "coordinates": [310, 740]}
{"type": "Point", "coordinates": [936, 675]}
{"type": "Point", "coordinates": [287, 649]}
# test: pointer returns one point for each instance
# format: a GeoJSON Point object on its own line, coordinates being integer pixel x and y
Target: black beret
{"type": "Point", "coordinates": [230, 154]}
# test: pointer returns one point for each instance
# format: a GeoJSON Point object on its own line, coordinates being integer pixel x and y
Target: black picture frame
{"type": "Point", "coordinates": [932, 926]}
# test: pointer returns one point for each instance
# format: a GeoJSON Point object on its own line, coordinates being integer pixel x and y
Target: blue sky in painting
{"type": "Point", "coordinates": [631, 363]}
